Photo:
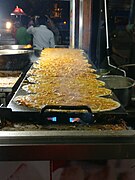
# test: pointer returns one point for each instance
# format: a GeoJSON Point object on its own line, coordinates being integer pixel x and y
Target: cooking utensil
{"type": "Point", "coordinates": [14, 59]}
{"type": "Point", "coordinates": [130, 70]}
{"type": "Point", "coordinates": [121, 86]}
{"type": "Point", "coordinates": [107, 41]}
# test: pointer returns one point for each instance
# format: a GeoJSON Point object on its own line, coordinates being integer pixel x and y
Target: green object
{"type": "Point", "coordinates": [130, 27]}
{"type": "Point", "coordinates": [22, 36]}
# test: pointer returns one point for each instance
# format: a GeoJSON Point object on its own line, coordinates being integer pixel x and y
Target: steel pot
{"type": "Point", "coordinates": [121, 86]}
{"type": "Point", "coordinates": [14, 59]}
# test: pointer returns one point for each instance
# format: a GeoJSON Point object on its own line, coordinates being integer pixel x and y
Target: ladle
{"type": "Point", "coordinates": [107, 41]}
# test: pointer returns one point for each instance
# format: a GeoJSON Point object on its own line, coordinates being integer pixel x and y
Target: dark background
{"type": "Point", "coordinates": [33, 7]}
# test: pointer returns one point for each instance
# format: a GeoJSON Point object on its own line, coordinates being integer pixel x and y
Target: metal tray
{"type": "Point", "coordinates": [7, 74]}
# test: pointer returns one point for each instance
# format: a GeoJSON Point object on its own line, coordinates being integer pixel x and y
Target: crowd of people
{"type": "Point", "coordinates": [41, 33]}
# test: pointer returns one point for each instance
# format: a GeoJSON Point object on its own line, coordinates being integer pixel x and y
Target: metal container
{"type": "Point", "coordinates": [14, 59]}
{"type": "Point", "coordinates": [121, 86]}
{"type": "Point", "coordinates": [15, 47]}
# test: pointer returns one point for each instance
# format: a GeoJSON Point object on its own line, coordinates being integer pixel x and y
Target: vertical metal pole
{"type": "Point", "coordinates": [107, 34]}
{"type": "Point", "coordinates": [80, 23]}
{"type": "Point", "coordinates": [72, 23]}
{"type": "Point", "coordinates": [106, 25]}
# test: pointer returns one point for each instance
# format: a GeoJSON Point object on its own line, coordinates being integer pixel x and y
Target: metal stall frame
{"type": "Point", "coordinates": [66, 145]}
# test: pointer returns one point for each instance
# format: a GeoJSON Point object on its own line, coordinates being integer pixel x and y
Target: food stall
{"type": "Point", "coordinates": [52, 135]}
{"type": "Point", "coordinates": [30, 135]}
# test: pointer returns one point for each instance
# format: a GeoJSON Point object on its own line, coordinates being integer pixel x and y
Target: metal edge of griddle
{"type": "Point", "coordinates": [18, 86]}
{"type": "Point", "coordinates": [18, 108]}
{"type": "Point", "coordinates": [22, 111]}
{"type": "Point", "coordinates": [20, 92]}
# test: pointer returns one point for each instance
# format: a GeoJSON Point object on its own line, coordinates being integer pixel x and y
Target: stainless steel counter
{"type": "Point", "coordinates": [67, 145]}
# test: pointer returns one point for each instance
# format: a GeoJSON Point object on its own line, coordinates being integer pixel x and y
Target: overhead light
{"type": "Point", "coordinates": [8, 25]}
{"type": "Point", "coordinates": [18, 11]}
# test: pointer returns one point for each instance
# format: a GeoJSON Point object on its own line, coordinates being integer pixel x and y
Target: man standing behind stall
{"type": "Point", "coordinates": [21, 35]}
{"type": "Point", "coordinates": [42, 36]}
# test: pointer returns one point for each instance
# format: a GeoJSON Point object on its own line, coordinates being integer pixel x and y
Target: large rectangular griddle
{"type": "Point", "coordinates": [31, 112]}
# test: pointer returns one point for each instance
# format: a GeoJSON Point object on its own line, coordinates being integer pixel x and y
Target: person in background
{"type": "Point", "coordinates": [22, 36]}
{"type": "Point", "coordinates": [16, 25]}
{"type": "Point", "coordinates": [54, 29]}
{"type": "Point", "coordinates": [123, 46]}
{"type": "Point", "coordinates": [42, 36]}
